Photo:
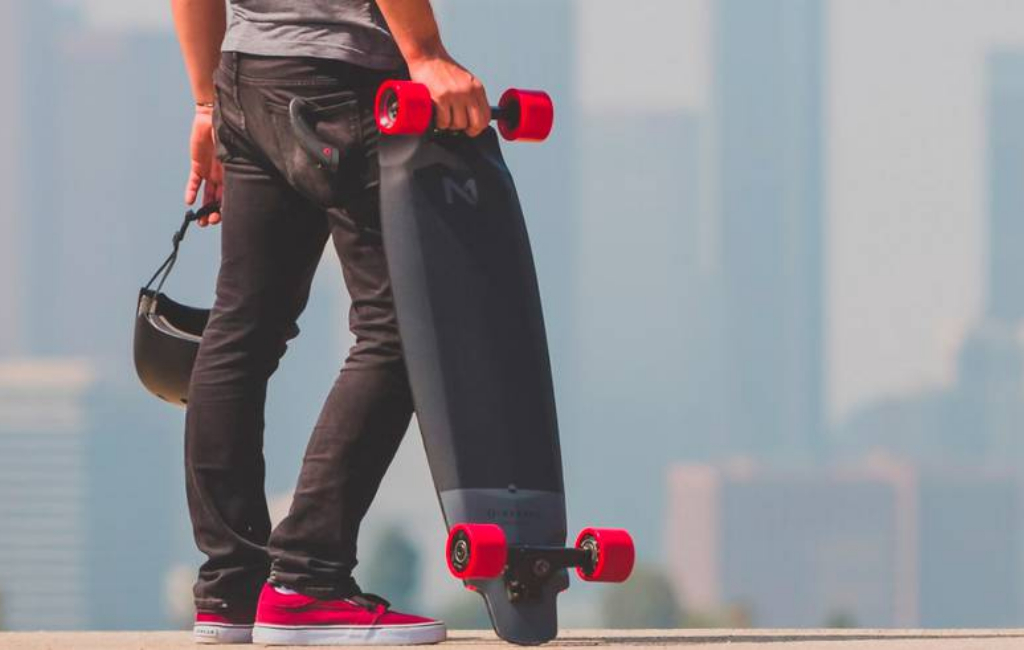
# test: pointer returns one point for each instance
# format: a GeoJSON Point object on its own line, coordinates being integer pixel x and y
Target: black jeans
{"type": "Point", "coordinates": [279, 209]}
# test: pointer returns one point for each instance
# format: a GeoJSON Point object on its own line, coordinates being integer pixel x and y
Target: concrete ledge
{"type": "Point", "coordinates": [636, 639]}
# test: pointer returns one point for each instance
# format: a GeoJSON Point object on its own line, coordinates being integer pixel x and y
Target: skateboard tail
{"type": "Point", "coordinates": [526, 516]}
{"type": "Point", "coordinates": [525, 624]}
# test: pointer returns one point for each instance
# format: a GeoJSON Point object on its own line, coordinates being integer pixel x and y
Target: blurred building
{"type": "Point", "coordinates": [1006, 196]}
{"type": "Point", "coordinates": [989, 395]}
{"type": "Point", "coordinates": [10, 118]}
{"type": "Point", "coordinates": [878, 545]}
{"type": "Point", "coordinates": [978, 418]}
{"type": "Point", "coordinates": [970, 541]}
{"type": "Point", "coordinates": [29, 31]}
{"type": "Point", "coordinates": [640, 364]}
{"type": "Point", "coordinates": [793, 549]}
{"type": "Point", "coordinates": [43, 494]}
{"type": "Point", "coordinates": [12, 115]}
{"type": "Point", "coordinates": [40, 26]}
{"type": "Point", "coordinates": [136, 509]}
{"type": "Point", "coordinates": [768, 174]}
{"type": "Point", "coordinates": [88, 498]}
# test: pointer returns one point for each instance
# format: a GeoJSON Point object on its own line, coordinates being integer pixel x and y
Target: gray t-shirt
{"type": "Point", "coordinates": [346, 30]}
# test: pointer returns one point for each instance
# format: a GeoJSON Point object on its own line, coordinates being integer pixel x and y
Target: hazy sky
{"type": "Point", "coordinates": [126, 13]}
{"type": "Point", "coordinates": [906, 155]}
{"type": "Point", "coordinates": [907, 163]}
{"type": "Point", "coordinates": [908, 188]}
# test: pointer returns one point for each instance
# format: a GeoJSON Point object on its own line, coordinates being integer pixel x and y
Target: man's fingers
{"type": "Point", "coordinates": [479, 118]}
{"type": "Point", "coordinates": [460, 117]}
{"type": "Point", "coordinates": [443, 118]}
{"type": "Point", "coordinates": [192, 186]}
{"type": "Point", "coordinates": [479, 111]}
{"type": "Point", "coordinates": [485, 107]}
{"type": "Point", "coordinates": [212, 192]}
{"type": "Point", "coordinates": [476, 121]}
{"type": "Point", "coordinates": [217, 172]}
{"type": "Point", "coordinates": [212, 188]}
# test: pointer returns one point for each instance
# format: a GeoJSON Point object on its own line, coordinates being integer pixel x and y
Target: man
{"type": "Point", "coordinates": [278, 210]}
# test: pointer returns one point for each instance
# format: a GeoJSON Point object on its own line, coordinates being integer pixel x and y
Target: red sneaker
{"type": "Point", "coordinates": [227, 626]}
{"type": "Point", "coordinates": [285, 617]}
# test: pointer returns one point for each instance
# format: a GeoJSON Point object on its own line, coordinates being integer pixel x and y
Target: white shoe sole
{"type": "Point", "coordinates": [417, 634]}
{"type": "Point", "coordinates": [221, 633]}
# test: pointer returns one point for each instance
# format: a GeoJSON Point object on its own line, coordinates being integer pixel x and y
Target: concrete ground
{"type": "Point", "coordinates": [633, 639]}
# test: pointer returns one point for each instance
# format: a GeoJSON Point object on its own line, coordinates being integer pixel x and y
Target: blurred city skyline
{"type": "Point", "coordinates": [761, 229]}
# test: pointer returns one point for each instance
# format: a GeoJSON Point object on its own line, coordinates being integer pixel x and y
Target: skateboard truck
{"type": "Point", "coordinates": [480, 552]}
{"type": "Point", "coordinates": [529, 567]}
{"type": "Point", "coordinates": [405, 108]}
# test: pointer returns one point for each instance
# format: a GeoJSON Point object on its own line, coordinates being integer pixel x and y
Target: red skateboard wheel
{"type": "Point", "coordinates": [530, 115]}
{"type": "Point", "coordinates": [613, 552]}
{"type": "Point", "coordinates": [476, 551]}
{"type": "Point", "coordinates": [403, 108]}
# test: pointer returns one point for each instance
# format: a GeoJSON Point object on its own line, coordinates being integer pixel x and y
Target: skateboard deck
{"type": "Point", "coordinates": [473, 334]}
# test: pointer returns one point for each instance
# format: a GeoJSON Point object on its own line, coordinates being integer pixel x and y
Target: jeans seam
{"type": "Point", "coordinates": [237, 94]}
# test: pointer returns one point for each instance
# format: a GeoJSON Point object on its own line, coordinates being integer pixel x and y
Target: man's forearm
{"type": "Point", "coordinates": [200, 25]}
{"type": "Point", "coordinates": [414, 28]}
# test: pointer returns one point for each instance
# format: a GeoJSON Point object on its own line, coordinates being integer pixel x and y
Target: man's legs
{"type": "Point", "coordinates": [361, 425]}
{"type": "Point", "coordinates": [271, 244]}
{"type": "Point", "coordinates": [312, 599]}
{"type": "Point", "coordinates": [270, 255]}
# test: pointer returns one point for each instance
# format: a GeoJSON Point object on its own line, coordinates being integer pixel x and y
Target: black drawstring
{"type": "Point", "coordinates": [165, 268]}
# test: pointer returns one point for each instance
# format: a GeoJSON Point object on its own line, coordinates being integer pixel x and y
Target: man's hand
{"type": "Point", "coordinates": [460, 98]}
{"type": "Point", "coordinates": [206, 170]}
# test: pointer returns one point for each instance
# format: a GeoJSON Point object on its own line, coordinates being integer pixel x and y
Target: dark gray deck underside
{"type": "Point", "coordinates": [473, 332]}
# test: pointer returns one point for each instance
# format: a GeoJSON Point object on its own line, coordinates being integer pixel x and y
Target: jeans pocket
{"type": "Point", "coordinates": [334, 118]}
{"type": "Point", "coordinates": [228, 122]}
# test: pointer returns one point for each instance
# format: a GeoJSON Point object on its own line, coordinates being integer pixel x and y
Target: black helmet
{"type": "Point", "coordinates": [167, 333]}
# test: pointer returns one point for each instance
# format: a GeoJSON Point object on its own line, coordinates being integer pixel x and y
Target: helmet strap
{"type": "Point", "coordinates": [165, 269]}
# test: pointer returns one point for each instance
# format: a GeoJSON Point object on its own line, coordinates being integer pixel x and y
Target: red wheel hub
{"type": "Point", "coordinates": [613, 552]}
{"type": "Point", "coordinates": [530, 115]}
{"type": "Point", "coordinates": [476, 551]}
{"type": "Point", "coordinates": [403, 108]}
